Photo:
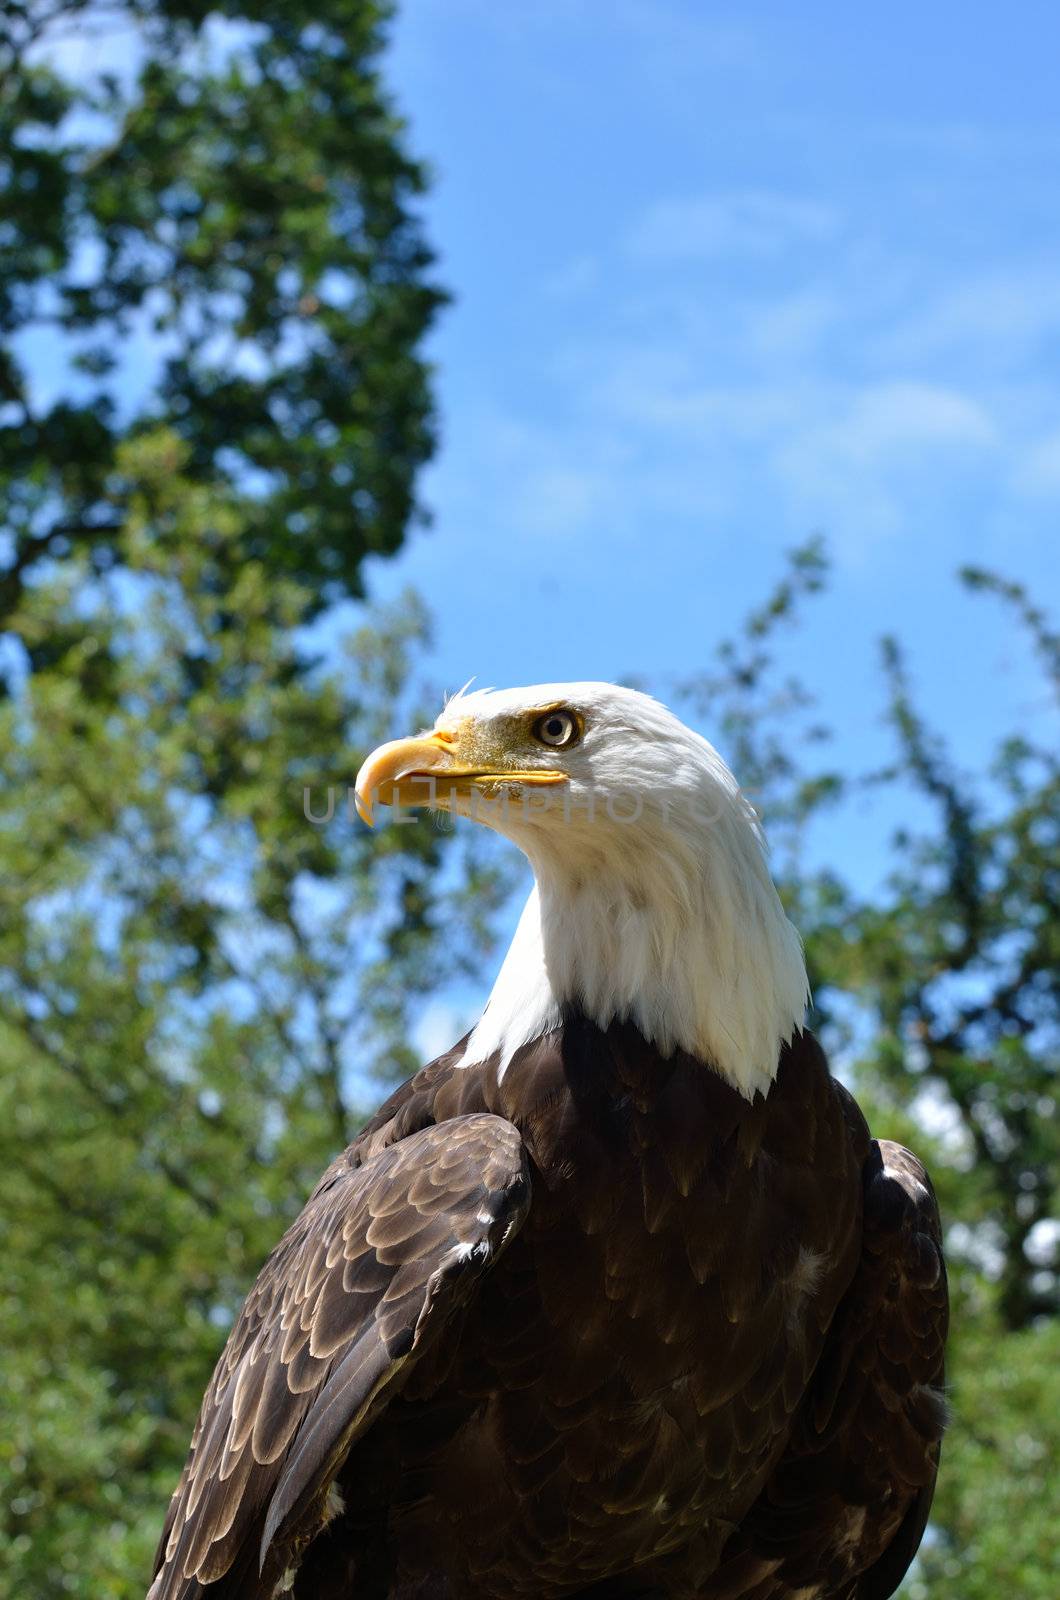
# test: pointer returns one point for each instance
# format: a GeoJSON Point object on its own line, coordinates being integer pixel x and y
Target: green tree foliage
{"type": "Point", "coordinates": [939, 995]}
{"type": "Point", "coordinates": [247, 201]}
{"type": "Point", "coordinates": [213, 292]}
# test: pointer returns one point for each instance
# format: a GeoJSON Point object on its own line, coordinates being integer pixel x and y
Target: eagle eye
{"type": "Point", "coordinates": [557, 729]}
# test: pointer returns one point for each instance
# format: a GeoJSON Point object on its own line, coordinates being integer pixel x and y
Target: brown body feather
{"type": "Point", "coordinates": [597, 1326]}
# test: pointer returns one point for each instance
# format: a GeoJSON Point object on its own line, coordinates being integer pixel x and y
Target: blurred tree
{"type": "Point", "coordinates": [939, 996]}
{"type": "Point", "coordinates": [235, 186]}
{"type": "Point", "coordinates": [213, 291]}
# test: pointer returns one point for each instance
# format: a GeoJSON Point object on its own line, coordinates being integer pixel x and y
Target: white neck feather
{"type": "Point", "coordinates": [676, 929]}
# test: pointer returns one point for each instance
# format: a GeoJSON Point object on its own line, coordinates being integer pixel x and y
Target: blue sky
{"type": "Point", "coordinates": [724, 278]}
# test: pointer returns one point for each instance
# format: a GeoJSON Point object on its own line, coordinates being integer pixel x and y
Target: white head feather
{"type": "Point", "coordinates": [652, 902]}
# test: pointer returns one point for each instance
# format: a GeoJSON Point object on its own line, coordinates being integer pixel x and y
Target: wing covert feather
{"type": "Point", "coordinates": [365, 1279]}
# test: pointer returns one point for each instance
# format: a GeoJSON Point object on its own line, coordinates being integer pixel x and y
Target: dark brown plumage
{"type": "Point", "coordinates": [599, 1326]}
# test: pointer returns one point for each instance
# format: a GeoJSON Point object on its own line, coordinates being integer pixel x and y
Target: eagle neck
{"type": "Point", "coordinates": [696, 953]}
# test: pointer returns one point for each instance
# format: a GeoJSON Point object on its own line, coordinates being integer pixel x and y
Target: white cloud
{"type": "Point", "coordinates": [794, 324]}
{"type": "Point", "coordinates": [1004, 318]}
{"type": "Point", "coordinates": [1038, 473]}
{"type": "Point", "coordinates": [557, 500]}
{"type": "Point", "coordinates": [872, 462]}
{"type": "Point", "coordinates": [668, 40]}
{"type": "Point", "coordinates": [889, 420]}
{"type": "Point", "coordinates": [831, 387]}
{"type": "Point", "coordinates": [751, 223]}
{"type": "Point", "coordinates": [642, 390]}
{"type": "Point", "coordinates": [535, 479]}
{"type": "Point", "coordinates": [675, 40]}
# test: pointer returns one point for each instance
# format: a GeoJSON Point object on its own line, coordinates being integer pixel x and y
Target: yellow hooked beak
{"type": "Point", "coordinates": [428, 771]}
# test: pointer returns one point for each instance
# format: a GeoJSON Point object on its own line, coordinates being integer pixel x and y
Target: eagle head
{"type": "Point", "coordinates": [653, 900]}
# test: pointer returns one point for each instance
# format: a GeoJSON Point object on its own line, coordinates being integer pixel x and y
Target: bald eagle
{"type": "Point", "coordinates": [618, 1297]}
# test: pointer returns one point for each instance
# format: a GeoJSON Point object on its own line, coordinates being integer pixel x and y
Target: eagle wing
{"type": "Point", "coordinates": [906, 1369]}
{"type": "Point", "coordinates": [362, 1283]}
{"type": "Point", "coordinates": [845, 1509]}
